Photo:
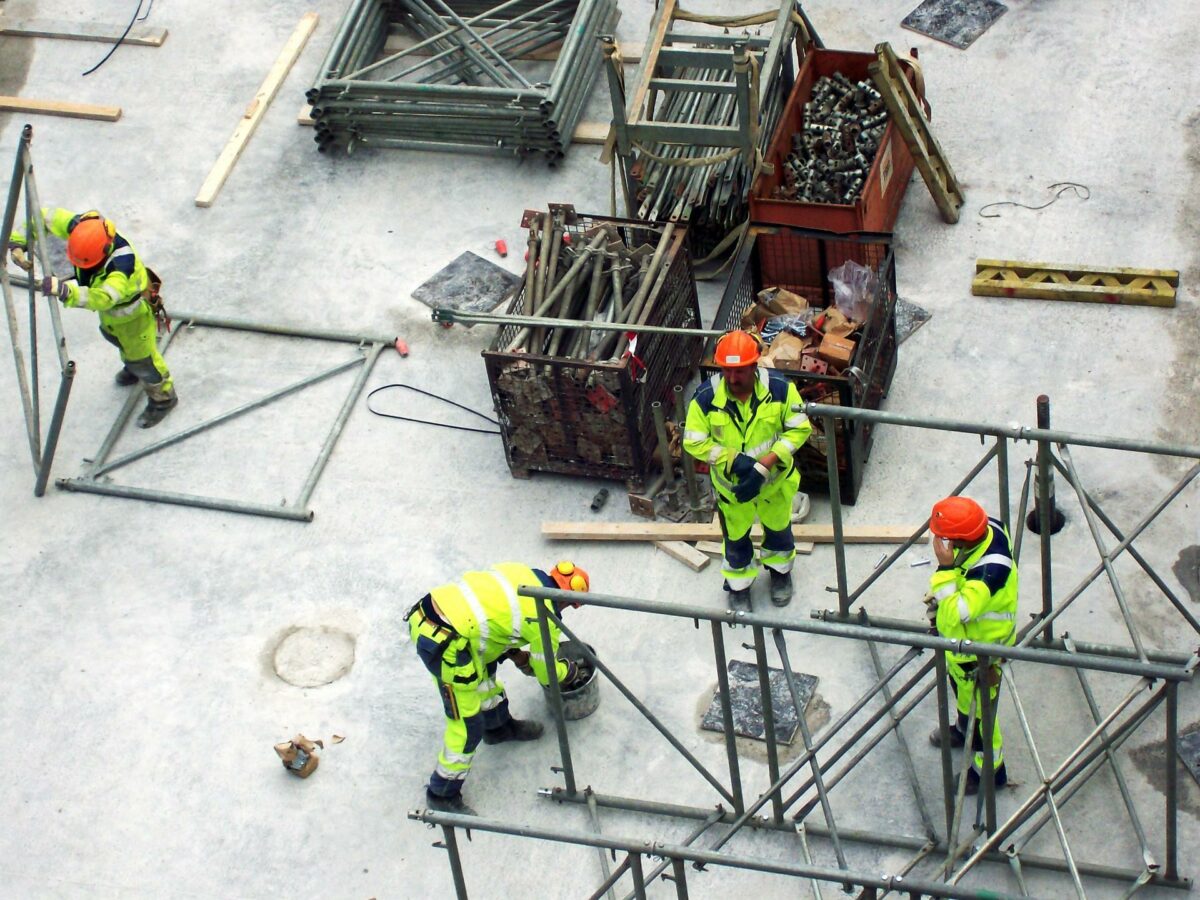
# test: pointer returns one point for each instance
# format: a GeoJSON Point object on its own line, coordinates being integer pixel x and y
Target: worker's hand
{"type": "Point", "coordinates": [19, 256]}
{"type": "Point", "coordinates": [52, 287]}
{"type": "Point", "coordinates": [943, 549]}
{"type": "Point", "coordinates": [520, 659]}
{"type": "Point", "coordinates": [749, 486]}
{"type": "Point", "coordinates": [743, 464]}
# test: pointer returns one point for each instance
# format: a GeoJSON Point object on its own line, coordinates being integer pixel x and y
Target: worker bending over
{"type": "Point", "coordinates": [462, 631]}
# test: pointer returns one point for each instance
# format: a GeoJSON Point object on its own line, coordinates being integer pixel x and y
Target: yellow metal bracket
{"type": "Point", "coordinates": [1050, 281]}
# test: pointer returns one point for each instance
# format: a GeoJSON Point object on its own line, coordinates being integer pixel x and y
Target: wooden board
{"type": "Point", "coordinates": [82, 31]}
{"type": "Point", "coordinates": [685, 553]}
{"type": "Point", "coordinates": [256, 110]}
{"type": "Point", "coordinates": [58, 108]}
{"type": "Point", "coordinates": [663, 17]}
{"type": "Point", "coordinates": [668, 531]}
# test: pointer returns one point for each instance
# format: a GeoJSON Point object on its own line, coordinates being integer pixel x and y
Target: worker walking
{"type": "Point", "coordinates": [111, 279]}
{"type": "Point", "coordinates": [972, 596]}
{"type": "Point", "coordinates": [462, 631]}
{"type": "Point", "coordinates": [744, 425]}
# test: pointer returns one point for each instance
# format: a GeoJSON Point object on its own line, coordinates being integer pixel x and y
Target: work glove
{"type": "Point", "coordinates": [748, 486]}
{"type": "Point", "coordinates": [19, 256]}
{"type": "Point", "coordinates": [743, 464]}
{"type": "Point", "coordinates": [52, 287]}
{"type": "Point", "coordinates": [520, 658]}
{"type": "Point", "coordinates": [569, 681]}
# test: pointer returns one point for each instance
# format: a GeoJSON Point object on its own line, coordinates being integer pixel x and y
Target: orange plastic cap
{"type": "Point", "coordinates": [88, 244]}
{"type": "Point", "coordinates": [736, 349]}
{"type": "Point", "coordinates": [958, 519]}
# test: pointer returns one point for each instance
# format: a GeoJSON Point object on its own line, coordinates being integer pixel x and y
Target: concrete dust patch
{"type": "Point", "coordinates": [1187, 570]}
{"type": "Point", "coordinates": [1151, 762]}
{"type": "Point", "coordinates": [313, 656]}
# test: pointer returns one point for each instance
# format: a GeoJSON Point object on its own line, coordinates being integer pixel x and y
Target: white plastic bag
{"type": "Point", "coordinates": [853, 290]}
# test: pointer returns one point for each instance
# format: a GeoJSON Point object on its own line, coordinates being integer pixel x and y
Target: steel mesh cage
{"type": "Point", "coordinates": [800, 260]}
{"type": "Point", "coordinates": [577, 417]}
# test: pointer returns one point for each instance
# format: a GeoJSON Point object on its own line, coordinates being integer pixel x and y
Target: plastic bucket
{"type": "Point", "coordinates": [583, 700]}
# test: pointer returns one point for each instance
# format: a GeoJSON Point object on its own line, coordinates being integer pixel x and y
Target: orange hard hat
{"type": "Point", "coordinates": [88, 243]}
{"type": "Point", "coordinates": [958, 519]}
{"type": "Point", "coordinates": [569, 577]}
{"type": "Point", "coordinates": [736, 349]}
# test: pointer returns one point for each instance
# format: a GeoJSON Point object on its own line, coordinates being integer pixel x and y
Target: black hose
{"type": "Point", "coordinates": [121, 39]}
{"type": "Point", "coordinates": [409, 387]}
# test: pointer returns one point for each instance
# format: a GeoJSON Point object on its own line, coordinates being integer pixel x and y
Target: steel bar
{"type": "Point", "coordinates": [1013, 432]}
{"type": "Point", "coordinates": [806, 735]}
{"type": "Point", "coordinates": [1043, 509]}
{"type": "Point", "coordinates": [988, 721]}
{"type": "Point", "coordinates": [1019, 534]}
{"type": "Point", "coordinates": [687, 842]}
{"type": "Point", "coordinates": [607, 884]}
{"type": "Point", "coordinates": [56, 420]}
{"type": "Point", "coordinates": [858, 836]}
{"type": "Point", "coordinates": [456, 869]}
{"type": "Point", "coordinates": [38, 227]}
{"type": "Point", "coordinates": [594, 818]}
{"type": "Point", "coordinates": [1002, 481]}
{"type": "Point", "coordinates": [639, 877]}
{"type": "Point", "coordinates": [1097, 662]}
{"type": "Point", "coordinates": [339, 424]}
{"type": "Point", "coordinates": [835, 506]}
{"type": "Point", "coordinates": [556, 701]}
{"type": "Point", "coordinates": [322, 334]}
{"type": "Point", "coordinates": [768, 712]}
{"type": "Point", "coordinates": [705, 857]}
{"type": "Point", "coordinates": [89, 486]}
{"type": "Point", "coordinates": [640, 707]}
{"type": "Point", "coordinates": [952, 848]}
{"type": "Point", "coordinates": [1172, 782]}
{"type": "Point", "coordinates": [731, 752]}
{"type": "Point", "coordinates": [1137, 557]}
{"type": "Point", "coordinates": [664, 444]}
{"type": "Point", "coordinates": [943, 704]}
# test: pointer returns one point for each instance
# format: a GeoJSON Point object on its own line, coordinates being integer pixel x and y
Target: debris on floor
{"type": "Point", "coordinates": [299, 755]}
{"type": "Point", "coordinates": [746, 702]}
{"type": "Point", "coordinates": [958, 23]}
{"type": "Point", "coordinates": [469, 283]}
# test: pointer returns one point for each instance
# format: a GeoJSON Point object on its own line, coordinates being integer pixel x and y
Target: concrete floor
{"type": "Point", "coordinates": [136, 642]}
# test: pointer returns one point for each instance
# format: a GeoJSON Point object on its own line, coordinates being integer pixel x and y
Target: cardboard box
{"type": "Point", "coordinates": [837, 351]}
{"type": "Point", "coordinates": [785, 352]}
{"type": "Point", "coordinates": [771, 302]}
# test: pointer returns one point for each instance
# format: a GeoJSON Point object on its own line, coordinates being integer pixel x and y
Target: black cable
{"type": "Point", "coordinates": [1082, 191]}
{"type": "Point", "coordinates": [409, 387]}
{"type": "Point", "coordinates": [137, 12]}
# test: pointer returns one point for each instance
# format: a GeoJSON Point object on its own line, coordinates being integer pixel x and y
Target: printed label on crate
{"type": "Point", "coordinates": [885, 168]}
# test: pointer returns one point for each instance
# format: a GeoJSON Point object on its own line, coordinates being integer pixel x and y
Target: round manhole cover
{"type": "Point", "coordinates": [313, 656]}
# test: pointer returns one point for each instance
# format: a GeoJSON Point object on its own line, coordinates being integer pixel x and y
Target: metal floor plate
{"type": "Point", "coordinates": [747, 703]}
{"type": "Point", "coordinates": [955, 22]}
{"type": "Point", "coordinates": [469, 284]}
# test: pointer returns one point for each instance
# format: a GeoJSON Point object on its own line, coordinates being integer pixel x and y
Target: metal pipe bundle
{"type": "Point", "coordinates": [466, 83]}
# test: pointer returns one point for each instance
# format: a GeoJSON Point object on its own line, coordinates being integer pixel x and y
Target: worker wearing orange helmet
{"type": "Point", "coordinates": [462, 632]}
{"type": "Point", "coordinates": [110, 279]}
{"type": "Point", "coordinates": [972, 596]}
{"type": "Point", "coordinates": [744, 424]}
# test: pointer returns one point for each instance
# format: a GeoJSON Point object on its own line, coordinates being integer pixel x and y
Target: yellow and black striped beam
{"type": "Point", "coordinates": [1051, 281]}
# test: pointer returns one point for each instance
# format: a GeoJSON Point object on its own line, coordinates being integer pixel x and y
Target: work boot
{"type": "Point", "coordinates": [452, 804]}
{"type": "Point", "coordinates": [125, 378]}
{"type": "Point", "coordinates": [957, 738]}
{"type": "Point", "coordinates": [781, 587]}
{"type": "Point", "coordinates": [999, 779]}
{"type": "Point", "coordinates": [513, 730]}
{"type": "Point", "coordinates": [739, 601]}
{"type": "Point", "coordinates": [156, 410]}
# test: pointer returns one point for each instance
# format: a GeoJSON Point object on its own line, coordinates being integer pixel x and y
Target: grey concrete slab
{"type": "Point", "coordinates": [135, 639]}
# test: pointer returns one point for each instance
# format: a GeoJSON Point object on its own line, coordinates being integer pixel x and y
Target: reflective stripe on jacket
{"type": "Point", "coordinates": [115, 286]}
{"type": "Point", "coordinates": [977, 598]}
{"type": "Point", "coordinates": [488, 610]}
{"type": "Point", "coordinates": [719, 428]}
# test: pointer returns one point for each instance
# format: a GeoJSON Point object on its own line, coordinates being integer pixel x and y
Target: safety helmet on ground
{"type": "Point", "coordinates": [958, 519]}
{"type": "Point", "coordinates": [569, 577]}
{"type": "Point", "coordinates": [89, 241]}
{"type": "Point", "coordinates": [736, 349]}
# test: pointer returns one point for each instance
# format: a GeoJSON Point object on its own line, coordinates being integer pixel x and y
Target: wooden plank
{"type": "Point", "coordinates": [1052, 281]}
{"type": "Point", "coordinates": [256, 110]}
{"type": "Point", "coordinates": [59, 108]}
{"type": "Point", "coordinates": [685, 553]}
{"type": "Point", "coordinates": [140, 35]}
{"type": "Point", "coordinates": [659, 25]}
{"type": "Point", "coordinates": [590, 133]}
{"type": "Point", "coordinates": [716, 548]}
{"type": "Point", "coordinates": [669, 531]}
{"type": "Point", "coordinates": [304, 117]}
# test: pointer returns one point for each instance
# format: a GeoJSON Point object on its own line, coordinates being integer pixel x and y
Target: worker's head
{"type": "Point", "coordinates": [959, 520]}
{"type": "Point", "coordinates": [569, 577]}
{"type": "Point", "coordinates": [90, 241]}
{"type": "Point", "coordinates": [737, 354]}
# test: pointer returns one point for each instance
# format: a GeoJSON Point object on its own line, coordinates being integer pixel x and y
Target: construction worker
{"type": "Point", "coordinates": [744, 425]}
{"type": "Point", "coordinates": [972, 596]}
{"type": "Point", "coordinates": [462, 631]}
{"type": "Point", "coordinates": [111, 279]}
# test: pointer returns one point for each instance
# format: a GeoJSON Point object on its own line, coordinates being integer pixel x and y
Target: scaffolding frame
{"type": "Point", "coordinates": [91, 481]}
{"type": "Point", "coordinates": [1156, 677]}
{"type": "Point", "coordinates": [41, 448]}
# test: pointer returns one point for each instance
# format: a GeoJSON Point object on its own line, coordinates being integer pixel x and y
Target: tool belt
{"type": "Point", "coordinates": [153, 297]}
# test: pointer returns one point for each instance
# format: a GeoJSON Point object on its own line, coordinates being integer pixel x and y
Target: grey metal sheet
{"type": "Point", "coordinates": [954, 22]}
{"type": "Point", "coordinates": [747, 703]}
{"type": "Point", "coordinates": [470, 283]}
